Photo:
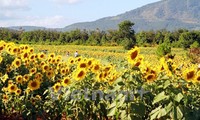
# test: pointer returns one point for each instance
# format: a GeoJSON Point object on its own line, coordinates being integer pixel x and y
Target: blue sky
{"type": "Point", "coordinates": [60, 13]}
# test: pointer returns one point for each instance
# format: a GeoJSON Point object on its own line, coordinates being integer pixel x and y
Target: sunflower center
{"type": "Point", "coordinates": [83, 65]}
{"type": "Point", "coordinates": [33, 84]}
{"type": "Point", "coordinates": [134, 55]}
{"type": "Point", "coordinates": [90, 62]}
{"type": "Point", "coordinates": [198, 78]}
{"type": "Point", "coordinates": [66, 81]}
{"type": "Point", "coordinates": [25, 55]}
{"type": "Point", "coordinates": [81, 74]}
{"type": "Point", "coordinates": [190, 75]}
{"type": "Point", "coordinates": [17, 63]}
{"type": "Point", "coordinates": [96, 67]}
{"type": "Point", "coordinates": [12, 87]}
{"type": "Point", "coordinates": [1, 48]}
{"type": "Point", "coordinates": [149, 77]}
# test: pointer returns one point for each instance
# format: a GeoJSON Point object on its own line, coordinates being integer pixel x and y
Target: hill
{"type": "Point", "coordinates": [165, 14]}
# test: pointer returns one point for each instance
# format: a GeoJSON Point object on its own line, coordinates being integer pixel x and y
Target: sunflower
{"type": "Point", "coordinates": [15, 50]}
{"type": "Point", "coordinates": [150, 77]}
{"type": "Point", "coordinates": [38, 76]}
{"type": "Point", "coordinates": [51, 55]}
{"type": "Point", "coordinates": [42, 63]}
{"type": "Point", "coordinates": [82, 65]}
{"type": "Point", "coordinates": [12, 88]}
{"type": "Point", "coordinates": [19, 79]}
{"type": "Point", "coordinates": [45, 68]}
{"type": "Point", "coordinates": [56, 87]}
{"type": "Point", "coordinates": [189, 75]}
{"type": "Point", "coordinates": [96, 67]}
{"type": "Point", "coordinates": [38, 97]}
{"type": "Point", "coordinates": [1, 47]}
{"type": "Point", "coordinates": [18, 91]}
{"type": "Point", "coordinates": [41, 56]}
{"type": "Point", "coordinates": [26, 47]}
{"type": "Point", "coordinates": [100, 77]}
{"type": "Point", "coordinates": [58, 58]}
{"type": "Point", "coordinates": [32, 57]}
{"type": "Point", "coordinates": [112, 79]}
{"type": "Point", "coordinates": [62, 71]}
{"type": "Point", "coordinates": [5, 98]}
{"type": "Point", "coordinates": [90, 62]}
{"type": "Point", "coordinates": [25, 55]}
{"type": "Point", "coordinates": [31, 50]}
{"type": "Point", "coordinates": [10, 82]}
{"type": "Point", "coordinates": [71, 60]}
{"type": "Point", "coordinates": [34, 85]}
{"type": "Point", "coordinates": [33, 71]}
{"type": "Point", "coordinates": [66, 81]}
{"type": "Point", "coordinates": [53, 61]}
{"type": "Point", "coordinates": [32, 100]}
{"type": "Point", "coordinates": [197, 79]}
{"type": "Point", "coordinates": [16, 63]}
{"type": "Point", "coordinates": [80, 74]}
{"type": "Point", "coordinates": [50, 74]}
{"type": "Point", "coordinates": [25, 77]}
{"type": "Point", "coordinates": [133, 54]}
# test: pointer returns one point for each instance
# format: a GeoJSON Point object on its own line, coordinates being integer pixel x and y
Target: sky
{"type": "Point", "coordinates": [60, 13]}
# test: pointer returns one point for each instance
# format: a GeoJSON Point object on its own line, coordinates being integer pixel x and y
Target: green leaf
{"type": "Point", "coordinates": [121, 102]}
{"type": "Point", "coordinates": [161, 113]}
{"type": "Point", "coordinates": [121, 83]}
{"type": "Point", "coordinates": [138, 108]}
{"type": "Point", "coordinates": [112, 105]}
{"type": "Point", "coordinates": [159, 97]}
{"type": "Point", "coordinates": [178, 97]}
{"type": "Point", "coordinates": [112, 112]}
{"type": "Point", "coordinates": [169, 107]}
{"type": "Point", "coordinates": [123, 114]}
{"type": "Point", "coordinates": [155, 110]}
{"type": "Point", "coordinates": [166, 84]}
{"type": "Point", "coordinates": [155, 113]}
{"type": "Point", "coordinates": [179, 113]}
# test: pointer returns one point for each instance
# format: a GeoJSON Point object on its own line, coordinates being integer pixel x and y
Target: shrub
{"type": "Point", "coordinates": [163, 49]}
{"type": "Point", "coordinates": [194, 45]}
{"type": "Point", "coordinates": [128, 44]}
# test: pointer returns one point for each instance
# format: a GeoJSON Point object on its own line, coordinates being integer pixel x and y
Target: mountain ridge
{"type": "Point", "coordinates": [164, 14]}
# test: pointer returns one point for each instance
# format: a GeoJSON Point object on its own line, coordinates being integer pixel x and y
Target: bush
{"type": "Point", "coordinates": [194, 45]}
{"type": "Point", "coordinates": [163, 49]}
{"type": "Point", "coordinates": [128, 44]}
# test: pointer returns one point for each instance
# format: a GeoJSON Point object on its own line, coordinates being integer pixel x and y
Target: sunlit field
{"type": "Point", "coordinates": [114, 53]}
{"type": "Point", "coordinates": [103, 83]}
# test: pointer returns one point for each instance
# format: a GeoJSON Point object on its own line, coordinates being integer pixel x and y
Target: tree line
{"type": "Point", "coordinates": [124, 35]}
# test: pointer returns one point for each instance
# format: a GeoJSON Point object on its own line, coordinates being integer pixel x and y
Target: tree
{"type": "Point", "coordinates": [126, 32]}
{"type": "Point", "coordinates": [125, 29]}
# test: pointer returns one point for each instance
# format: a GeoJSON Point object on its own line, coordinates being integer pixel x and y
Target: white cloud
{"type": "Point", "coordinates": [13, 4]}
{"type": "Point", "coordinates": [9, 8]}
{"type": "Point", "coordinates": [49, 22]}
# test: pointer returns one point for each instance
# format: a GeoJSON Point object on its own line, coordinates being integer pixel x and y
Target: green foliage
{"type": "Point", "coordinates": [178, 38]}
{"type": "Point", "coordinates": [128, 44]}
{"type": "Point", "coordinates": [163, 49]}
{"type": "Point", "coordinates": [195, 44]}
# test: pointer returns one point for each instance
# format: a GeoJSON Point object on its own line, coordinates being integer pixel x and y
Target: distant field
{"type": "Point", "coordinates": [115, 53]}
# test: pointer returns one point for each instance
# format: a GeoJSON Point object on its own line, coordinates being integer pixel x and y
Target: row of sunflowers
{"type": "Point", "coordinates": [44, 86]}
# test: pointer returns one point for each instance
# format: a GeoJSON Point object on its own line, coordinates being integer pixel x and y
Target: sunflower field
{"type": "Point", "coordinates": [35, 85]}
